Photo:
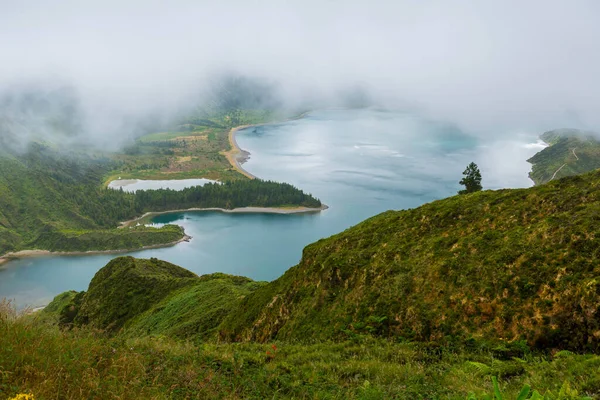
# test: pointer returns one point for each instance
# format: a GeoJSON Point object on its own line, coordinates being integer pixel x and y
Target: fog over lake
{"type": "Point", "coordinates": [358, 162]}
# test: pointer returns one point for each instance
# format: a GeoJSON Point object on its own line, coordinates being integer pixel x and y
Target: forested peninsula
{"type": "Point", "coordinates": [50, 200]}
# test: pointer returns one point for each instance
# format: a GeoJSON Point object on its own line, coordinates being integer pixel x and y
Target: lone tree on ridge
{"type": "Point", "coordinates": [471, 180]}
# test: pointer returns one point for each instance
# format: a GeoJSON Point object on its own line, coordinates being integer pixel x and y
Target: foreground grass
{"type": "Point", "coordinates": [36, 357]}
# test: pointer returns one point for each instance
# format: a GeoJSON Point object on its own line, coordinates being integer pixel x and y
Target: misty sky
{"type": "Point", "coordinates": [487, 66]}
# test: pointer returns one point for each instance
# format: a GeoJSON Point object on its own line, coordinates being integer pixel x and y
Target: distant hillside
{"type": "Point", "coordinates": [52, 201]}
{"type": "Point", "coordinates": [507, 264]}
{"type": "Point", "coordinates": [571, 152]}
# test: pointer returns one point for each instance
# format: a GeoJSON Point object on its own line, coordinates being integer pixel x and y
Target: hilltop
{"type": "Point", "coordinates": [152, 297]}
{"type": "Point", "coordinates": [570, 152]}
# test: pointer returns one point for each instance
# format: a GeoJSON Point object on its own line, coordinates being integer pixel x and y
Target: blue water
{"type": "Point", "coordinates": [359, 162]}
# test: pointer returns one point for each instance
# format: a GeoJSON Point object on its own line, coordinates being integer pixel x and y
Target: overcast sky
{"type": "Point", "coordinates": [481, 64]}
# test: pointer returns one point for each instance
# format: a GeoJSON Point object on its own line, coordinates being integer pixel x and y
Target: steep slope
{"type": "Point", "coordinates": [571, 152]}
{"type": "Point", "coordinates": [126, 287]}
{"type": "Point", "coordinates": [508, 264]}
{"type": "Point", "coordinates": [194, 311]}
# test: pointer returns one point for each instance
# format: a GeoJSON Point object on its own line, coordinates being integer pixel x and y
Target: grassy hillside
{"type": "Point", "coordinates": [157, 303]}
{"type": "Point", "coordinates": [507, 264]}
{"type": "Point", "coordinates": [571, 152]}
{"type": "Point", "coordinates": [428, 303]}
{"type": "Point", "coordinates": [139, 297]}
{"type": "Point", "coordinates": [126, 287]}
{"type": "Point", "coordinates": [195, 311]}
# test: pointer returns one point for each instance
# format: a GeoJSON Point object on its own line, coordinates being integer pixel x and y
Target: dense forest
{"type": "Point", "coordinates": [44, 191]}
{"type": "Point", "coordinates": [228, 195]}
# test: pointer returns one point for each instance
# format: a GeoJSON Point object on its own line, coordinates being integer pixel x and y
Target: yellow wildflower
{"type": "Point", "coordinates": [23, 396]}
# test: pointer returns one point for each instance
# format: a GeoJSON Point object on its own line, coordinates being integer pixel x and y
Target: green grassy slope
{"type": "Point", "coordinates": [151, 297]}
{"type": "Point", "coordinates": [40, 359]}
{"type": "Point", "coordinates": [143, 360]}
{"type": "Point", "coordinates": [126, 287]}
{"type": "Point", "coordinates": [571, 152]}
{"type": "Point", "coordinates": [52, 202]}
{"type": "Point", "coordinates": [507, 264]}
{"type": "Point", "coordinates": [193, 312]}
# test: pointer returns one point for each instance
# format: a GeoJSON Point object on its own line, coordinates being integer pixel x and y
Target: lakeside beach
{"type": "Point", "coordinates": [239, 210]}
{"type": "Point", "coordinates": [42, 253]}
{"type": "Point", "coordinates": [236, 156]}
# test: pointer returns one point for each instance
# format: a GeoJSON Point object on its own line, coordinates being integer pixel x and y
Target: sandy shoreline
{"type": "Point", "coordinates": [40, 253]}
{"type": "Point", "coordinates": [247, 210]}
{"type": "Point", "coordinates": [240, 210]}
{"type": "Point", "coordinates": [237, 156]}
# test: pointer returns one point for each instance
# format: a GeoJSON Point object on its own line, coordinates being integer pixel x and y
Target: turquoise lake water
{"type": "Point", "coordinates": [359, 162]}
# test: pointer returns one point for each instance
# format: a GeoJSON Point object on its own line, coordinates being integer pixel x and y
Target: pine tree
{"type": "Point", "coordinates": [471, 180]}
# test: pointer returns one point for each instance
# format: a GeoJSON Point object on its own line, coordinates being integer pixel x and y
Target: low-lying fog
{"type": "Point", "coordinates": [102, 72]}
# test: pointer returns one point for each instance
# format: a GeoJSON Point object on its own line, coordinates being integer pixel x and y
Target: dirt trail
{"type": "Point", "coordinates": [556, 172]}
{"type": "Point", "coordinates": [575, 154]}
{"type": "Point", "coordinates": [561, 167]}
